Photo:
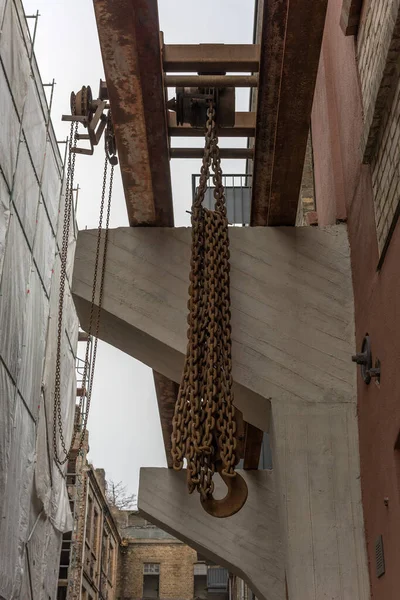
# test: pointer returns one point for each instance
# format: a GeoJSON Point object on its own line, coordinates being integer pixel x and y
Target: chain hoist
{"type": "Point", "coordinates": [94, 315]}
{"type": "Point", "coordinates": [204, 423]}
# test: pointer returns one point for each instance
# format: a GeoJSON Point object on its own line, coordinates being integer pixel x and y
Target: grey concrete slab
{"type": "Point", "coordinates": [248, 544]}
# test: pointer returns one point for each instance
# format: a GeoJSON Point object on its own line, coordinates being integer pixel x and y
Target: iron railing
{"type": "Point", "coordinates": [237, 194]}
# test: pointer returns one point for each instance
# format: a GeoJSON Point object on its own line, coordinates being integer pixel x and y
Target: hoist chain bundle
{"type": "Point", "coordinates": [204, 424]}
{"type": "Point", "coordinates": [94, 316]}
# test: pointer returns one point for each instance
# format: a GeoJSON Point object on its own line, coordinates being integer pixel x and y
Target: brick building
{"type": "Point", "coordinates": [154, 564]}
{"type": "Point", "coordinates": [89, 553]}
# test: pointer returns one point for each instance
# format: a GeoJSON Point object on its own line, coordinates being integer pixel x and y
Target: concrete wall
{"type": "Point", "coordinates": [339, 107]}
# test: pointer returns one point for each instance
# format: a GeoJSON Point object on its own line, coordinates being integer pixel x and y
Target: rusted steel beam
{"type": "Point", "coordinates": [252, 446]}
{"type": "Point", "coordinates": [211, 58]}
{"type": "Point", "coordinates": [245, 125]}
{"type": "Point", "coordinates": [350, 16]}
{"type": "Point", "coordinates": [217, 81]}
{"type": "Point", "coordinates": [223, 152]}
{"type": "Point", "coordinates": [167, 392]}
{"type": "Point", "coordinates": [130, 45]}
{"type": "Point", "coordinates": [290, 49]}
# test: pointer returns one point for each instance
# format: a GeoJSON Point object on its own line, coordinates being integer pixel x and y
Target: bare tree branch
{"type": "Point", "coordinates": [117, 496]}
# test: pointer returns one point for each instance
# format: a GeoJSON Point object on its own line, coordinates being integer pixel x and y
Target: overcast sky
{"type": "Point", "coordinates": [124, 425]}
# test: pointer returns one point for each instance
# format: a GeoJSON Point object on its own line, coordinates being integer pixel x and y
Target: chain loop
{"type": "Point", "coordinates": [204, 425]}
{"type": "Point", "coordinates": [94, 319]}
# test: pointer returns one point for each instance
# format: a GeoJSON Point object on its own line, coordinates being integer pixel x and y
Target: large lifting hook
{"type": "Point", "coordinates": [91, 113]}
{"type": "Point", "coordinates": [232, 502]}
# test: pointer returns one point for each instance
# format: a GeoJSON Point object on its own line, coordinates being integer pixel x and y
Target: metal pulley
{"type": "Point", "coordinates": [191, 105]}
{"type": "Point", "coordinates": [93, 116]}
{"type": "Point", "coordinates": [82, 104]}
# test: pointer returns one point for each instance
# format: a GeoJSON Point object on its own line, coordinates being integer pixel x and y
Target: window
{"type": "Point", "coordinates": [151, 569]}
{"type": "Point", "coordinates": [95, 539]}
{"type": "Point", "coordinates": [200, 569]}
{"type": "Point", "coordinates": [104, 552]}
{"type": "Point", "coordinates": [151, 580]}
{"type": "Point", "coordinates": [200, 581]}
{"type": "Point", "coordinates": [111, 562]}
{"type": "Point", "coordinates": [89, 519]}
{"type": "Point", "coordinates": [62, 593]}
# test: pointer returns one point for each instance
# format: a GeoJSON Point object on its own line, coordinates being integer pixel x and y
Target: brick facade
{"type": "Point", "coordinates": [378, 50]}
{"type": "Point", "coordinates": [89, 555]}
{"type": "Point", "coordinates": [373, 49]}
{"type": "Point", "coordinates": [176, 562]}
{"type": "Point", "coordinates": [385, 177]}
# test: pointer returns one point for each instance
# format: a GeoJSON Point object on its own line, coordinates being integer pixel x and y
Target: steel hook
{"type": "Point", "coordinates": [232, 502]}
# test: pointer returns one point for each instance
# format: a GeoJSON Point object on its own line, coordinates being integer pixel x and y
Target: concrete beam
{"type": "Point", "coordinates": [248, 544]}
{"type": "Point", "coordinates": [292, 315]}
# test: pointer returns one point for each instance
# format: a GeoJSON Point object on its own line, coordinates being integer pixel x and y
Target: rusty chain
{"type": "Point", "coordinates": [57, 415]}
{"type": "Point", "coordinates": [94, 319]}
{"type": "Point", "coordinates": [204, 425]}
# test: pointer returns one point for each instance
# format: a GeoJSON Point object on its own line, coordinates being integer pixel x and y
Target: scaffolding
{"type": "Point", "coordinates": [32, 196]}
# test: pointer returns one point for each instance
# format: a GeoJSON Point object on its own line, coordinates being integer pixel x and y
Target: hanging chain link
{"type": "Point", "coordinates": [204, 425]}
{"type": "Point", "coordinates": [94, 315]}
{"type": "Point", "coordinates": [57, 415]}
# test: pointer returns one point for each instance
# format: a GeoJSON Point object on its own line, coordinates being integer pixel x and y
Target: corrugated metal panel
{"type": "Point", "coordinates": [217, 579]}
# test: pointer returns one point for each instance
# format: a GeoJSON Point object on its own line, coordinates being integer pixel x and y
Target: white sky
{"type": "Point", "coordinates": [124, 426]}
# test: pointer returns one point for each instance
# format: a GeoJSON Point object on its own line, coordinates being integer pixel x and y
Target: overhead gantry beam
{"type": "Point", "coordinates": [211, 58]}
{"type": "Point", "coordinates": [245, 125]}
{"type": "Point", "coordinates": [223, 152]}
{"type": "Point", "coordinates": [289, 56]}
{"type": "Point", "coordinates": [130, 45]}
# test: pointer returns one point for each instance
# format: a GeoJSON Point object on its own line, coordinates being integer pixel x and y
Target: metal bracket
{"type": "Point", "coordinates": [191, 105]}
{"type": "Point", "coordinates": [364, 359]}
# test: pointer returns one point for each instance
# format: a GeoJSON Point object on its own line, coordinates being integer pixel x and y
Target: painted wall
{"type": "Point", "coordinates": [344, 183]}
